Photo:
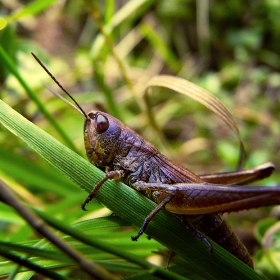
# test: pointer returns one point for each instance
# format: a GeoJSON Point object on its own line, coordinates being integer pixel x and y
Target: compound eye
{"type": "Point", "coordinates": [101, 124]}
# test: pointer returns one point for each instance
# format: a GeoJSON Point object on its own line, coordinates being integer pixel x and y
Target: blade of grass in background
{"type": "Point", "coordinates": [132, 10]}
{"type": "Point", "coordinates": [160, 46]}
{"type": "Point", "coordinates": [12, 68]}
{"type": "Point", "coordinates": [30, 9]}
{"type": "Point", "coordinates": [205, 98]}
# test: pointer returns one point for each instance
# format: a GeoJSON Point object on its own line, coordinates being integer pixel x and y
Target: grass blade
{"type": "Point", "coordinates": [205, 98]}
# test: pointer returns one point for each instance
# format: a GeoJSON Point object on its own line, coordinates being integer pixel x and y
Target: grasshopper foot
{"type": "Point", "coordinates": [83, 206]}
{"type": "Point", "coordinates": [135, 238]}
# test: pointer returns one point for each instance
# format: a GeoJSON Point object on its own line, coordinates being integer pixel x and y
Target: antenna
{"type": "Point", "coordinates": [62, 98]}
{"type": "Point", "coordinates": [57, 82]}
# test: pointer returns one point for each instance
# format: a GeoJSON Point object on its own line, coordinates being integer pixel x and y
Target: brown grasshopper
{"type": "Point", "coordinates": [198, 200]}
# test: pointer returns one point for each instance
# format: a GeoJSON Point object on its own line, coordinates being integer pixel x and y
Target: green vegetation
{"type": "Point", "coordinates": [105, 53]}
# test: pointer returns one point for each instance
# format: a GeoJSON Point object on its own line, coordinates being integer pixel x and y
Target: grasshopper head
{"type": "Point", "coordinates": [101, 132]}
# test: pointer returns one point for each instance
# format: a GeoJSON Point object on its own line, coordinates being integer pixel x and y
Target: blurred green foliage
{"type": "Point", "coordinates": [104, 52]}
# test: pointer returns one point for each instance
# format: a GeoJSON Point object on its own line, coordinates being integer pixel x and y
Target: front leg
{"type": "Point", "coordinates": [110, 175]}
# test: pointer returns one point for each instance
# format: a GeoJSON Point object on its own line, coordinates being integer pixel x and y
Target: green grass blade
{"type": "Point", "coordinates": [161, 47]}
{"type": "Point", "coordinates": [32, 250]}
{"type": "Point", "coordinates": [32, 266]}
{"type": "Point", "coordinates": [30, 10]}
{"type": "Point", "coordinates": [131, 10]}
{"type": "Point", "coordinates": [12, 68]}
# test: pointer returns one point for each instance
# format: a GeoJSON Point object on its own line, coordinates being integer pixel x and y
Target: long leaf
{"type": "Point", "coordinates": [205, 98]}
